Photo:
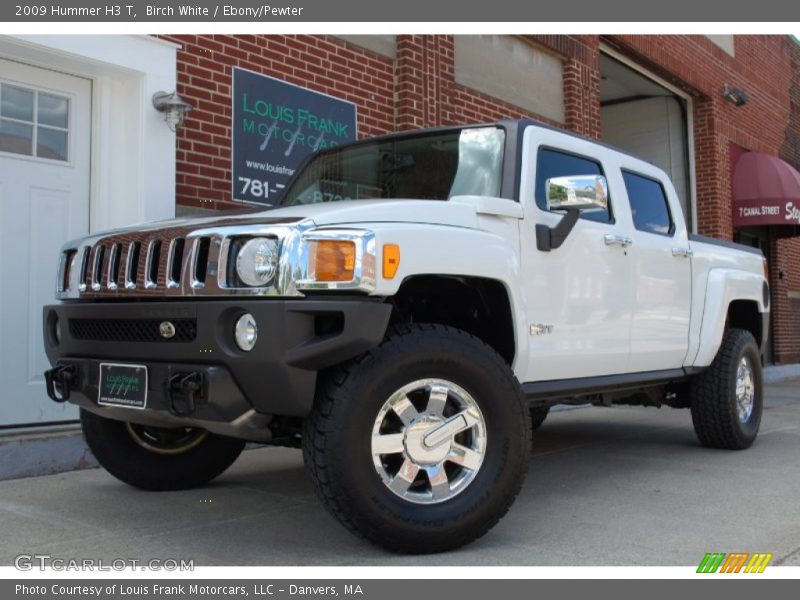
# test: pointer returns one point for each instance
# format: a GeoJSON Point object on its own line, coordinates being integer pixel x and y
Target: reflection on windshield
{"type": "Point", "coordinates": [431, 166]}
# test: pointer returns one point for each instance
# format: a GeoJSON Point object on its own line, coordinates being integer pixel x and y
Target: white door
{"type": "Point", "coordinates": [44, 201]}
{"type": "Point", "coordinates": [578, 296]}
{"type": "Point", "coordinates": [662, 274]}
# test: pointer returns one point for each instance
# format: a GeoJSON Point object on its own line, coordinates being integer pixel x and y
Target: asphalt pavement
{"type": "Point", "coordinates": [606, 486]}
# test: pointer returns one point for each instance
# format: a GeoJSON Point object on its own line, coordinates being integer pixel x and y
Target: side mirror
{"type": "Point", "coordinates": [579, 192]}
{"type": "Point", "coordinates": [572, 194]}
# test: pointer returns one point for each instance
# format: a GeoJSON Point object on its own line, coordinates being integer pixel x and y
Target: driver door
{"type": "Point", "coordinates": [578, 297]}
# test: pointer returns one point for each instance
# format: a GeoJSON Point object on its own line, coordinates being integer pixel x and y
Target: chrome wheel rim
{"type": "Point", "coordinates": [162, 440]}
{"type": "Point", "coordinates": [745, 390]}
{"type": "Point", "coordinates": [428, 441]}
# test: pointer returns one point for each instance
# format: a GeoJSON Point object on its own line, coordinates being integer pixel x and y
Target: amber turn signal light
{"type": "Point", "coordinates": [391, 260]}
{"type": "Point", "coordinates": [331, 260]}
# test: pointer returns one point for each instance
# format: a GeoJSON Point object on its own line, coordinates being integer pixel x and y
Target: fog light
{"type": "Point", "coordinates": [246, 332]}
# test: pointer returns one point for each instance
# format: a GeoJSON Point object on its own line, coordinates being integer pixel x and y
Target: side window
{"type": "Point", "coordinates": [552, 163]}
{"type": "Point", "coordinates": [649, 204]}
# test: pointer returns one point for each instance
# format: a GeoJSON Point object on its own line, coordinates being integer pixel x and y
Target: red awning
{"type": "Point", "coordinates": [766, 191]}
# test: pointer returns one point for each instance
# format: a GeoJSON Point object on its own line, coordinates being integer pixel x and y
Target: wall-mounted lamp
{"type": "Point", "coordinates": [735, 95]}
{"type": "Point", "coordinates": [174, 108]}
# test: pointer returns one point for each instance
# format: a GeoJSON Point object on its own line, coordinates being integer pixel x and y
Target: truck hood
{"type": "Point", "coordinates": [459, 211]}
{"type": "Point", "coordinates": [377, 211]}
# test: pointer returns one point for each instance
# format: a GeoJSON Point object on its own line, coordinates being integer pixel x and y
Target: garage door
{"type": "Point", "coordinates": [654, 130]}
{"type": "Point", "coordinates": [44, 201]}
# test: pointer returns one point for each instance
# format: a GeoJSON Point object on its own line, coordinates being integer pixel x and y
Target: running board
{"type": "Point", "coordinates": [557, 389]}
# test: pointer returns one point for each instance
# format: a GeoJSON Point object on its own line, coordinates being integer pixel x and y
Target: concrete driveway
{"type": "Point", "coordinates": [607, 486]}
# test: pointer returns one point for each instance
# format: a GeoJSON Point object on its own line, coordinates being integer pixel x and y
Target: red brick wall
{"type": "Point", "coordinates": [581, 88]}
{"type": "Point", "coordinates": [761, 67]}
{"type": "Point", "coordinates": [790, 150]}
{"type": "Point", "coordinates": [786, 266]}
{"type": "Point", "coordinates": [204, 79]}
{"type": "Point", "coordinates": [785, 281]}
{"type": "Point", "coordinates": [418, 89]}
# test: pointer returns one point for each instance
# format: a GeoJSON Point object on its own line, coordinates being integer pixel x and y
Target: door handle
{"type": "Point", "coordinates": [612, 239]}
{"type": "Point", "coordinates": [686, 252]}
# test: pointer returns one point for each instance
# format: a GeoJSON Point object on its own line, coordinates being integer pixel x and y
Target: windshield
{"type": "Point", "coordinates": [429, 166]}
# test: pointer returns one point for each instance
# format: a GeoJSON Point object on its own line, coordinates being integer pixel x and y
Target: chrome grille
{"type": "Point", "coordinates": [132, 265]}
{"type": "Point", "coordinates": [135, 265]}
{"type": "Point", "coordinates": [112, 274]}
{"type": "Point", "coordinates": [84, 272]}
{"type": "Point", "coordinates": [152, 265]}
{"type": "Point", "coordinates": [98, 254]}
{"type": "Point", "coordinates": [175, 263]}
{"type": "Point", "coordinates": [159, 262]}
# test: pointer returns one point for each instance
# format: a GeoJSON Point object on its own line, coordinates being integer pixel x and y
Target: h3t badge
{"type": "Point", "coordinates": [541, 329]}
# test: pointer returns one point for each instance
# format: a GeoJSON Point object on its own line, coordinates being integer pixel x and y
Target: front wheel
{"type": "Point", "coordinates": [727, 399]}
{"type": "Point", "coordinates": [420, 445]}
{"type": "Point", "coordinates": [158, 458]}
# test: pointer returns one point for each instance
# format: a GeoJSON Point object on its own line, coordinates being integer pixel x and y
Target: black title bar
{"type": "Point", "coordinates": [465, 11]}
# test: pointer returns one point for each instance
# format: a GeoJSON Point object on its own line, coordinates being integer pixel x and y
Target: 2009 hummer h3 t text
{"type": "Point", "coordinates": [409, 312]}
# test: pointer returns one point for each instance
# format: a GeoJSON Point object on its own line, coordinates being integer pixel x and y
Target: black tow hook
{"type": "Point", "coordinates": [59, 382]}
{"type": "Point", "coordinates": [184, 391]}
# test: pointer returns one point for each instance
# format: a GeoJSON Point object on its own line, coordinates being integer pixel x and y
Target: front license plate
{"type": "Point", "coordinates": [123, 385]}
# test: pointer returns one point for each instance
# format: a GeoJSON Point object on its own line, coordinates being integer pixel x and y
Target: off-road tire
{"type": "Point", "coordinates": [538, 415]}
{"type": "Point", "coordinates": [119, 453]}
{"type": "Point", "coordinates": [713, 395]}
{"type": "Point", "coordinates": [336, 443]}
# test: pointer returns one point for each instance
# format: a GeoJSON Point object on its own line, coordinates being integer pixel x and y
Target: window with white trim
{"type": "Point", "coordinates": [34, 123]}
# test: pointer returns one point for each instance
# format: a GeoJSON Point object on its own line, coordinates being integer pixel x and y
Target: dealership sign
{"type": "Point", "coordinates": [766, 212]}
{"type": "Point", "coordinates": [275, 126]}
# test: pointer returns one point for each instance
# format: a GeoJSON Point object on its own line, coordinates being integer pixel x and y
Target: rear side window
{"type": "Point", "coordinates": [552, 163]}
{"type": "Point", "coordinates": [648, 204]}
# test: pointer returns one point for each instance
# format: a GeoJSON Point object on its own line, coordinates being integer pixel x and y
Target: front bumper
{"type": "Point", "coordinates": [240, 391]}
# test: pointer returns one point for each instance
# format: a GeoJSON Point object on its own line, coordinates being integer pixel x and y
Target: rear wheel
{"type": "Point", "coordinates": [158, 458]}
{"type": "Point", "coordinates": [727, 399]}
{"type": "Point", "coordinates": [420, 445]}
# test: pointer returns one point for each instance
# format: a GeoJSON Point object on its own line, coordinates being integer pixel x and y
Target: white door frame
{"type": "Point", "coordinates": [619, 57]}
{"type": "Point", "coordinates": [44, 203]}
{"type": "Point", "coordinates": [132, 149]}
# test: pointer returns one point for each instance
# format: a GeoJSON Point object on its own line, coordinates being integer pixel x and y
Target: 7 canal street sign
{"type": "Point", "coordinates": [275, 126]}
{"type": "Point", "coordinates": [765, 212]}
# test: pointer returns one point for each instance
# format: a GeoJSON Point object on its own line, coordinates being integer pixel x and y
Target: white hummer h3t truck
{"type": "Point", "coordinates": [407, 314]}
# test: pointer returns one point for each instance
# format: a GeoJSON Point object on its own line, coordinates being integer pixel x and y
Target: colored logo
{"type": "Point", "coordinates": [735, 562]}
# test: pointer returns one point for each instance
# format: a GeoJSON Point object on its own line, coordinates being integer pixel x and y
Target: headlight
{"type": "Point", "coordinates": [246, 332]}
{"type": "Point", "coordinates": [257, 262]}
